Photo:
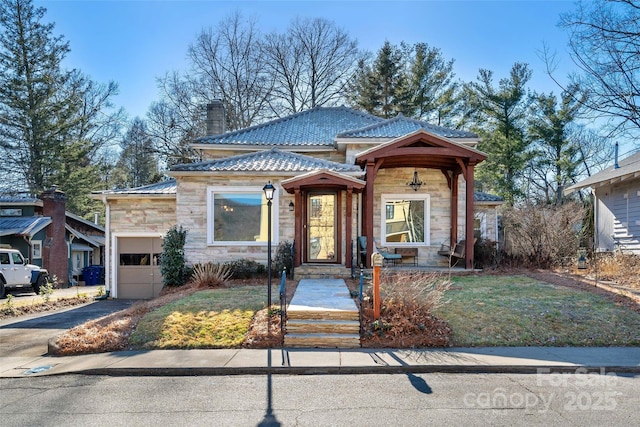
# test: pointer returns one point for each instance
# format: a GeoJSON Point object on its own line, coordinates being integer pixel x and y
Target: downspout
{"type": "Point", "coordinates": [107, 249]}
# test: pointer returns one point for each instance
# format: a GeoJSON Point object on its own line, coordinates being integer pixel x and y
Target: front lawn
{"type": "Point", "coordinates": [213, 318]}
{"type": "Point", "coordinates": [519, 311]}
{"type": "Point", "coordinates": [483, 310]}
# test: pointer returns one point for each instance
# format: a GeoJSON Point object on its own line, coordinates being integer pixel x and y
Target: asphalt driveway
{"type": "Point", "coordinates": [28, 335]}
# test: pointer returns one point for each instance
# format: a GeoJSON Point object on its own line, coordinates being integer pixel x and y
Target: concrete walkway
{"type": "Point", "coordinates": [322, 295]}
{"type": "Point", "coordinates": [532, 360]}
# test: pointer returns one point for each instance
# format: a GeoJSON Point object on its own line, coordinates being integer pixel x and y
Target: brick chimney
{"type": "Point", "coordinates": [216, 120]}
{"type": "Point", "coordinates": [55, 254]}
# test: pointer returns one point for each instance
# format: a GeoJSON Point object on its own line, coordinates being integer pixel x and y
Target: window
{"type": "Point", "coordinates": [36, 249]}
{"type": "Point", "coordinates": [390, 211]}
{"type": "Point", "coordinates": [238, 215]}
{"type": "Point", "coordinates": [405, 219]}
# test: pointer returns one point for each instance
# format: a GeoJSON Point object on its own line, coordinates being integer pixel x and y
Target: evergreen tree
{"type": "Point", "coordinates": [557, 155]}
{"type": "Point", "coordinates": [383, 87]}
{"type": "Point", "coordinates": [500, 118]}
{"type": "Point", "coordinates": [137, 164]}
{"type": "Point", "coordinates": [53, 122]}
{"type": "Point", "coordinates": [434, 92]}
{"type": "Point", "coordinates": [35, 110]}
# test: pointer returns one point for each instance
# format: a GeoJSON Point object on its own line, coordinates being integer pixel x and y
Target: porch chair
{"type": "Point", "coordinates": [362, 251]}
{"type": "Point", "coordinates": [456, 251]}
{"type": "Point", "coordinates": [388, 257]}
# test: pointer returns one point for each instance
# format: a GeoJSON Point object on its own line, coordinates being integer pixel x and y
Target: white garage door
{"type": "Point", "coordinates": [138, 267]}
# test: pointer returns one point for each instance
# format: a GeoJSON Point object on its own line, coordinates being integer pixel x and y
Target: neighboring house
{"type": "Point", "coordinates": [339, 174]}
{"type": "Point", "coordinates": [616, 193]}
{"type": "Point", "coordinates": [49, 236]}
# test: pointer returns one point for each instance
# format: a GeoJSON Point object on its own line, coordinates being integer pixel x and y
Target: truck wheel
{"type": "Point", "coordinates": [41, 281]}
{"type": "Point", "coordinates": [2, 289]}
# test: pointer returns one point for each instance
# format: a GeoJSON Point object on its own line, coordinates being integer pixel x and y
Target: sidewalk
{"type": "Point", "coordinates": [598, 360]}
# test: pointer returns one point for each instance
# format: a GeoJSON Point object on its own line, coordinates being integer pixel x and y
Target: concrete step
{"type": "Point", "coordinates": [321, 314]}
{"type": "Point", "coordinates": [322, 340]}
{"type": "Point", "coordinates": [323, 326]}
{"type": "Point", "coordinates": [321, 271]}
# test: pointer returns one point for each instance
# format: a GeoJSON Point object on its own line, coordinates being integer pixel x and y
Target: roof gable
{"type": "Point", "coordinates": [421, 145]}
{"type": "Point", "coordinates": [322, 179]}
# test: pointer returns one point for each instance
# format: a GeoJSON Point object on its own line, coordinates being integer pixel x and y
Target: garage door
{"type": "Point", "coordinates": [138, 267]}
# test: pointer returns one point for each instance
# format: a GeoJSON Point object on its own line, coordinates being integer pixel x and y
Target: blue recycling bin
{"type": "Point", "coordinates": [89, 274]}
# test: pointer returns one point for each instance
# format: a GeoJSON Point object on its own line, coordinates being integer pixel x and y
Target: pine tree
{"type": "Point", "coordinates": [382, 88]}
{"type": "Point", "coordinates": [34, 113]}
{"type": "Point", "coordinates": [137, 163]}
{"type": "Point", "coordinates": [500, 114]}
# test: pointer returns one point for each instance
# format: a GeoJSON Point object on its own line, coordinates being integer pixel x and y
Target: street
{"type": "Point", "coordinates": [354, 400]}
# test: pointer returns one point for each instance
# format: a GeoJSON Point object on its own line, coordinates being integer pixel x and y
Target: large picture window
{"type": "Point", "coordinates": [238, 215]}
{"type": "Point", "coordinates": [405, 219]}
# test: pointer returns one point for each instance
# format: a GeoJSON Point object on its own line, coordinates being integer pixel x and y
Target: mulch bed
{"type": "Point", "coordinates": [7, 310]}
{"type": "Point", "coordinates": [564, 279]}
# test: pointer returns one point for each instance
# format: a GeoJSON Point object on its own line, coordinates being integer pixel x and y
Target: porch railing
{"type": "Point", "coordinates": [283, 299]}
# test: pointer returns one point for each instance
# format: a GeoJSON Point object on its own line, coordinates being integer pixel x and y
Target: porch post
{"type": "Point", "coordinates": [348, 232]}
{"type": "Point", "coordinates": [453, 233]}
{"type": "Point", "coordinates": [368, 211]}
{"type": "Point", "coordinates": [469, 218]}
{"type": "Point", "coordinates": [298, 241]}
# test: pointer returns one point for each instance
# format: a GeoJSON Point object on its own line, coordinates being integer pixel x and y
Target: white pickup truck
{"type": "Point", "coordinates": [16, 272]}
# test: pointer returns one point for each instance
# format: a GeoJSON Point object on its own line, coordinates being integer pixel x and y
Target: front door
{"type": "Point", "coordinates": [322, 228]}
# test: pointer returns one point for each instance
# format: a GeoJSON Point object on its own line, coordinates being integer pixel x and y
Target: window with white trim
{"type": "Point", "coordinates": [405, 219]}
{"type": "Point", "coordinates": [238, 215]}
{"type": "Point", "coordinates": [36, 249]}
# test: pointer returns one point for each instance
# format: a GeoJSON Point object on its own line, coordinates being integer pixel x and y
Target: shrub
{"type": "Point", "coordinates": [172, 265]}
{"type": "Point", "coordinates": [284, 258]}
{"type": "Point", "coordinates": [245, 268]}
{"type": "Point", "coordinates": [210, 275]}
{"type": "Point", "coordinates": [543, 236]}
{"type": "Point", "coordinates": [408, 300]}
{"type": "Point", "coordinates": [487, 254]}
{"type": "Point", "coordinates": [413, 291]}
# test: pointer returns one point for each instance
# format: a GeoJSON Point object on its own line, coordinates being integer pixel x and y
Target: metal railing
{"type": "Point", "coordinates": [283, 299]}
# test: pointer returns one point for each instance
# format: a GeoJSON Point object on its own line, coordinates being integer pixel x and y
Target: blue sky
{"type": "Point", "coordinates": [134, 42]}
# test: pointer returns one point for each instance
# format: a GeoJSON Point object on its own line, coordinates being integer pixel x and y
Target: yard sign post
{"type": "Point", "coordinates": [376, 262]}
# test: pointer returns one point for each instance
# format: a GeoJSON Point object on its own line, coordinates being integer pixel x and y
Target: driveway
{"type": "Point", "coordinates": [28, 335]}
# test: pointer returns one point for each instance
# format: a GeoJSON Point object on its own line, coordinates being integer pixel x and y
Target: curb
{"type": "Point", "coordinates": [354, 370]}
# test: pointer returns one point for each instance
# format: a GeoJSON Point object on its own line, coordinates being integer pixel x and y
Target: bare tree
{"type": "Point", "coordinates": [604, 44]}
{"type": "Point", "coordinates": [227, 64]}
{"type": "Point", "coordinates": [311, 63]}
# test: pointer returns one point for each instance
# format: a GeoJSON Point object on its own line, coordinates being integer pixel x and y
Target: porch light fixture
{"type": "Point", "coordinates": [291, 207]}
{"type": "Point", "coordinates": [415, 183]}
{"type": "Point", "coordinates": [268, 189]}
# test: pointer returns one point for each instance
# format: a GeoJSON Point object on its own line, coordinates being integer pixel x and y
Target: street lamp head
{"type": "Point", "coordinates": [268, 189]}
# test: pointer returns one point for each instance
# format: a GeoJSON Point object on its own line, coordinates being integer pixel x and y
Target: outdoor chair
{"type": "Point", "coordinates": [457, 251]}
{"type": "Point", "coordinates": [387, 256]}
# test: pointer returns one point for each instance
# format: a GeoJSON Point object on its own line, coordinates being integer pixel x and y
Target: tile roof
{"type": "Point", "coordinates": [399, 126]}
{"type": "Point", "coordinates": [628, 167]}
{"type": "Point", "coordinates": [316, 127]}
{"type": "Point", "coordinates": [480, 196]}
{"type": "Point", "coordinates": [273, 160]}
{"type": "Point", "coordinates": [159, 188]}
{"type": "Point", "coordinates": [23, 225]}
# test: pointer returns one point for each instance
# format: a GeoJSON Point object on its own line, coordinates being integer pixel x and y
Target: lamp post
{"type": "Point", "coordinates": [268, 189]}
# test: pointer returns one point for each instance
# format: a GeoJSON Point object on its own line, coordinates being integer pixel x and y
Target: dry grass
{"type": "Point", "coordinates": [114, 332]}
{"type": "Point", "coordinates": [10, 308]}
{"type": "Point", "coordinates": [619, 268]}
{"type": "Point", "coordinates": [408, 301]}
{"type": "Point", "coordinates": [210, 275]}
